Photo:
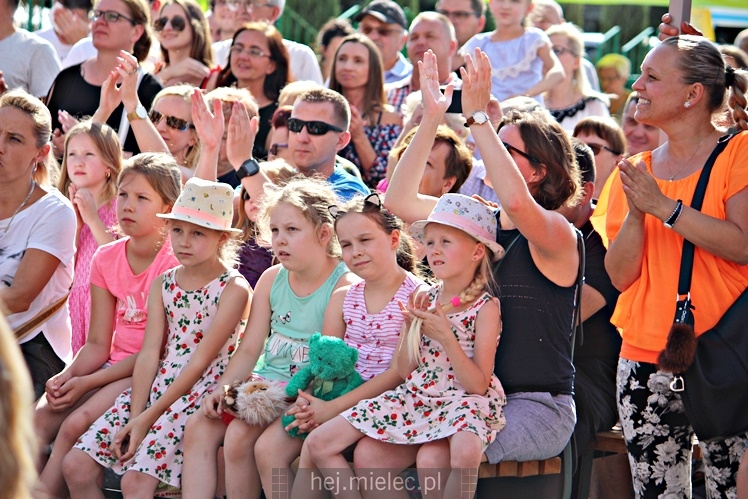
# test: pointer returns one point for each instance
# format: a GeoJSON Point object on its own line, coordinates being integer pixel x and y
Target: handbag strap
{"type": "Point", "coordinates": [576, 323]}
{"type": "Point", "coordinates": [686, 262]}
{"type": "Point", "coordinates": [40, 318]}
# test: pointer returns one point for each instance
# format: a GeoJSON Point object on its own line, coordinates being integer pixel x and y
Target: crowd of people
{"type": "Point", "coordinates": [186, 197]}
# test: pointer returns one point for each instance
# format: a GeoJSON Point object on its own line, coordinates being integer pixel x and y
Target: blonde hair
{"type": "Point", "coordinates": [229, 95]}
{"type": "Point", "coordinates": [18, 444]}
{"type": "Point", "coordinates": [312, 197]}
{"type": "Point", "coordinates": [46, 171]}
{"type": "Point", "coordinates": [108, 146]}
{"type": "Point", "coordinates": [183, 91]}
{"type": "Point", "coordinates": [482, 281]}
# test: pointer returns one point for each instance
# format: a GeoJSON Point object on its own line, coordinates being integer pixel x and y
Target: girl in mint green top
{"type": "Point", "coordinates": [288, 306]}
{"type": "Point", "coordinates": [295, 318]}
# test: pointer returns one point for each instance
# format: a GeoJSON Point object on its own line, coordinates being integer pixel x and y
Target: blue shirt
{"type": "Point", "coordinates": [345, 185]}
{"type": "Point", "coordinates": [399, 70]}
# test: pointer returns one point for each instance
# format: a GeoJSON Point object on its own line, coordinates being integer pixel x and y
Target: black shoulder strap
{"type": "Point", "coordinates": [686, 262]}
{"type": "Point", "coordinates": [576, 322]}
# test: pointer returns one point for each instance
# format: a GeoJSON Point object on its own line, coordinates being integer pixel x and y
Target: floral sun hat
{"type": "Point", "coordinates": [205, 203]}
{"type": "Point", "coordinates": [464, 213]}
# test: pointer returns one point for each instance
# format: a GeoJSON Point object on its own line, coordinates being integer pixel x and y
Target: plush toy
{"type": "Point", "coordinates": [331, 372]}
{"type": "Point", "coordinates": [258, 402]}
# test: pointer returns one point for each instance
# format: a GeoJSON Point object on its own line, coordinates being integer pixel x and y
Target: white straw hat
{"type": "Point", "coordinates": [205, 203]}
{"type": "Point", "coordinates": [464, 213]}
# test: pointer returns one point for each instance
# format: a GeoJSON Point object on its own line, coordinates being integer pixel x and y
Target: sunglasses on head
{"type": "Point", "coordinates": [177, 23]}
{"type": "Point", "coordinates": [171, 121]}
{"type": "Point", "coordinates": [531, 159]}
{"type": "Point", "coordinates": [596, 148]}
{"type": "Point", "coordinates": [312, 127]}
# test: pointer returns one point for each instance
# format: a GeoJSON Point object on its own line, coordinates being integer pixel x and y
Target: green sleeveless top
{"type": "Point", "coordinates": [294, 320]}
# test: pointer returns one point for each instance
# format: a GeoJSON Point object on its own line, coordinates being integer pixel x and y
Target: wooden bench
{"type": "Point", "coordinates": [520, 469]}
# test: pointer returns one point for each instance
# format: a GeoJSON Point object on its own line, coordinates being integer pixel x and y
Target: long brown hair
{"type": "Point", "coordinates": [546, 141]}
{"type": "Point", "coordinates": [140, 13]}
{"type": "Point", "coordinates": [275, 81]}
{"type": "Point", "coordinates": [18, 444]}
{"type": "Point", "coordinates": [374, 96]}
{"type": "Point", "coordinates": [201, 43]}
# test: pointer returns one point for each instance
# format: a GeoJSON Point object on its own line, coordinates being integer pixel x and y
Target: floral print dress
{"type": "Point", "coordinates": [432, 403]}
{"type": "Point", "coordinates": [189, 315]}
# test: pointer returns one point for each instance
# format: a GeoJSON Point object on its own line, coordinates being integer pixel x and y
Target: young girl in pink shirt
{"type": "Point", "coordinates": [121, 276]}
{"type": "Point", "coordinates": [90, 165]}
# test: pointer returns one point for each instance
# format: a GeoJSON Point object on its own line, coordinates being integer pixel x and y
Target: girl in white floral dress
{"type": "Point", "coordinates": [450, 399]}
{"type": "Point", "coordinates": [195, 312]}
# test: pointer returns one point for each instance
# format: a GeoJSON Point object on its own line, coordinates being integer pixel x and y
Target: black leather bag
{"type": "Point", "coordinates": [711, 371]}
{"type": "Point", "coordinates": [715, 386]}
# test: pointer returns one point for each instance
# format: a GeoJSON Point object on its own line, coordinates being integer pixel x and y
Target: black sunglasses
{"type": "Point", "coordinates": [109, 16]}
{"type": "Point", "coordinates": [296, 125]}
{"type": "Point", "coordinates": [245, 195]}
{"type": "Point", "coordinates": [274, 148]}
{"type": "Point", "coordinates": [531, 159]}
{"type": "Point", "coordinates": [171, 121]}
{"type": "Point", "coordinates": [177, 23]}
{"type": "Point", "coordinates": [596, 148]}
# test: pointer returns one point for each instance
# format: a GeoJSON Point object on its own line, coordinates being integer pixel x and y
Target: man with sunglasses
{"type": "Point", "coordinates": [317, 130]}
{"type": "Point", "coordinates": [27, 61]}
{"type": "Point", "coordinates": [304, 64]}
{"type": "Point", "coordinates": [383, 21]}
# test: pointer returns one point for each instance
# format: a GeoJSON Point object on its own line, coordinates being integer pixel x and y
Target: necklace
{"type": "Point", "coordinates": [26, 200]}
{"type": "Point", "coordinates": [670, 179]}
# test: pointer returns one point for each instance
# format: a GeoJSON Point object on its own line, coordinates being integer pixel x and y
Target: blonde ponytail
{"type": "Point", "coordinates": [471, 293]}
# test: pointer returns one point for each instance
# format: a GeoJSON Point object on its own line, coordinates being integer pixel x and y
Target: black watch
{"type": "Point", "coordinates": [249, 168]}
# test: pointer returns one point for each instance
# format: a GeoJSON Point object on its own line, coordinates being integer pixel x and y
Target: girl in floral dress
{"type": "Point", "coordinates": [195, 312]}
{"type": "Point", "coordinates": [90, 166]}
{"type": "Point", "coordinates": [450, 399]}
{"type": "Point", "coordinates": [121, 275]}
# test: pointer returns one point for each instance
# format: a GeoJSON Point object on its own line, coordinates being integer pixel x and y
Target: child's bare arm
{"type": "Point", "coordinates": [553, 72]}
{"type": "Point", "coordinates": [150, 353]}
{"type": "Point", "coordinates": [475, 374]}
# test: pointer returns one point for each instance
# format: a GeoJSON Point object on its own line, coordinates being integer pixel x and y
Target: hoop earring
{"type": "Point", "coordinates": [108, 174]}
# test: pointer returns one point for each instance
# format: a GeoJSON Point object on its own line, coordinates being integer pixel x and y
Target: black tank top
{"type": "Point", "coordinates": [534, 354]}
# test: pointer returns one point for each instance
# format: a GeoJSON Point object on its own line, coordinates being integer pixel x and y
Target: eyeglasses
{"type": "Point", "coordinates": [296, 125]}
{"type": "Point", "coordinates": [559, 50]}
{"type": "Point", "coordinates": [596, 148]}
{"type": "Point", "coordinates": [171, 121]}
{"type": "Point", "coordinates": [245, 195]}
{"type": "Point", "coordinates": [109, 16]}
{"type": "Point", "coordinates": [254, 52]}
{"type": "Point", "coordinates": [274, 148]}
{"type": "Point", "coordinates": [381, 31]}
{"type": "Point", "coordinates": [458, 15]}
{"type": "Point", "coordinates": [235, 4]}
{"type": "Point", "coordinates": [177, 23]}
{"type": "Point", "coordinates": [531, 159]}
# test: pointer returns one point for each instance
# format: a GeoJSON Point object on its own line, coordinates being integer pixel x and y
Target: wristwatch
{"type": "Point", "coordinates": [249, 168]}
{"type": "Point", "coordinates": [139, 114]}
{"type": "Point", "coordinates": [478, 118]}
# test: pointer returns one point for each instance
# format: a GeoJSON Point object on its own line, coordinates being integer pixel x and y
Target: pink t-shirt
{"type": "Point", "coordinates": [110, 270]}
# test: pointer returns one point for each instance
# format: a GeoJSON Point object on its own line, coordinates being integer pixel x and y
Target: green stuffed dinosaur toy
{"type": "Point", "coordinates": [330, 373]}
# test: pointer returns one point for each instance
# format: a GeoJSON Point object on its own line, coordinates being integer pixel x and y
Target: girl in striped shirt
{"type": "Point", "coordinates": [376, 248]}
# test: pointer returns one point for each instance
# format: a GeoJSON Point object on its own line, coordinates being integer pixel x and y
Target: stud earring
{"type": "Point", "coordinates": [687, 104]}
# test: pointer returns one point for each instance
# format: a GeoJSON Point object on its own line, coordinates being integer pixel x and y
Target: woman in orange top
{"type": "Point", "coordinates": [684, 82]}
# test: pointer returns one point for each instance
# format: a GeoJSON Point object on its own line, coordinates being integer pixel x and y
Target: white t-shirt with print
{"type": "Point", "coordinates": [48, 225]}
